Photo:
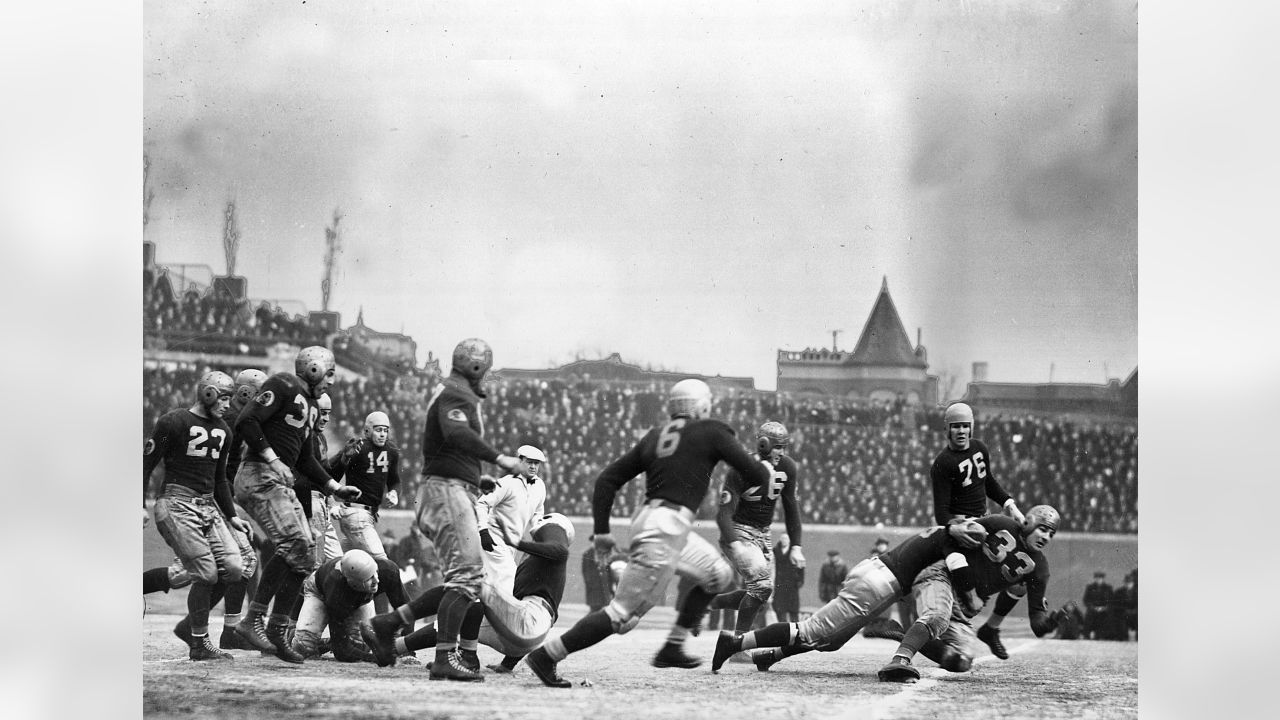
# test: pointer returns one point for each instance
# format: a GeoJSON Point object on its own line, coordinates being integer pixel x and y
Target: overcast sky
{"type": "Point", "coordinates": [692, 185]}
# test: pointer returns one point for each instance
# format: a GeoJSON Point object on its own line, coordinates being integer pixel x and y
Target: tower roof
{"type": "Point", "coordinates": [884, 340]}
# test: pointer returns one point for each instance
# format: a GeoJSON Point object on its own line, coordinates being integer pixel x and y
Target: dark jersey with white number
{"type": "Point", "coordinates": [909, 557]}
{"type": "Point", "coordinates": [962, 482]}
{"type": "Point", "coordinates": [677, 458]}
{"type": "Point", "coordinates": [1005, 559]}
{"type": "Point", "coordinates": [282, 417]}
{"type": "Point", "coordinates": [340, 599]}
{"type": "Point", "coordinates": [756, 503]}
{"type": "Point", "coordinates": [193, 449]}
{"type": "Point", "coordinates": [373, 469]}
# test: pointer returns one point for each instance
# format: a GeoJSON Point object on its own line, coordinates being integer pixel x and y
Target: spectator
{"type": "Point", "coordinates": [831, 576]}
{"type": "Point", "coordinates": [1097, 602]}
{"type": "Point", "coordinates": [1123, 613]}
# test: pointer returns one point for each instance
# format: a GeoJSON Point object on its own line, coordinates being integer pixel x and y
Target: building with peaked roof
{"type": "Point", "coordinates": [882, 366]}
{"type": "Point", "coordinates": [615, 371]}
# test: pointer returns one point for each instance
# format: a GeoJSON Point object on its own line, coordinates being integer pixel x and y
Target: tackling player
{"type": "Point", "coordinates": [1011, 553]}
{"type": "Point", "coordinates": [746, 512]}
{"type": "Point", "coordinates": [277, 427]}
{"type": "Point", "coordinates": [372, 464]}
{"type": "Point", "coordinates": [677, 458]}
{"type": "Point", "coordinates": [514, 621]}
{"type": "Point", "coordinates": [194, 509]}
{"type": "Point", "coordinates": [872, 585]}
{"type": "Point", "coordinates": [963, 479]}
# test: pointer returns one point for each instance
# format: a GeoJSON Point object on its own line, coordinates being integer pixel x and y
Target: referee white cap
{"type": "Point", "coordinates": [529, 452]}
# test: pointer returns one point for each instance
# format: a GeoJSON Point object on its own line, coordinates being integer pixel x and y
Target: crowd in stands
{"type": "Point", "coordinates": [860, 464]}
{"type": "Point", "coordinates": [214, 322]}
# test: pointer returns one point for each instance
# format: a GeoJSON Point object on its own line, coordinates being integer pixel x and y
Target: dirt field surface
{"type": "Point", "coordinates": [1042, 679]}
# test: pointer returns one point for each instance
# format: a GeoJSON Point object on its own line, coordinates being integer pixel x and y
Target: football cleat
{"type": "Point", "coordinates": [724, 649]}
{"type": "Point", "coordinates": [545, 668]}
{"type": "Point", "coordinates": [410, 659]}
{"type": "Point", "coordinates": [674, 656]}
{"type": "Point", "coordinates": [500, 669]}
{"type": "Point", "coordinates": [765, 660]}
{"type": "Point", "coordinates": [899, 670]}
{"type": "Point", "coordinates": [232, 640]}
{"type": "Point", "coordinates": [380, 635]}
{"type": "Point", "coordinates": [452, 667]}
{"type": "Point", "coordinates": [991, 636]}
{"type": "Point", "coordinates": [279, 637]}
{"type": "Point", "coordinates": [202, 649]}
{"type": "Point", "coordinates": [470, 660]}
{"type": "Point", "coordinates": [255, 633]}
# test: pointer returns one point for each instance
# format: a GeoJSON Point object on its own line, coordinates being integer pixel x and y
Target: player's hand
{"type": "Point", "coordinates": [391, 499]}
{"type": "Point", "coordinates": [346, 492]}
{"type": "Point", "coordinates": [282, 470]}
{"type": "Point", "coordinates": [604, 546]}
{"type": "Point", "coordinates": [487, 484]}
{"type": "Point", "coordinates": [240, 524]}
{"type": "Point", "coordinates": [486, 540]}
{"type": "Point", "coordinates": [352, 449]}
{"type": "Point", "coordinates": [970, 604]}
{"type": "Point", "coordinates": [146, 518]}
{"type": "Point", "coordinates": [797, 556]}
{"type": "Point", "coordinates": [1016, 514]}
{"type": "Point", "coordinates": [961, 536]}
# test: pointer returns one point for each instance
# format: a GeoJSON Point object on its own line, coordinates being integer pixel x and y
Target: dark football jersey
{"type": "Point", "coordinates": [193, 449]}
{"type": "Point", "coordinates": [677, 458]}
{"type": "Point", "coordinates": [756, 503]}
{"type": "Point", "coordinates": [453, 435]}
{"type": "Point", "coordinates": [962, 482]}
{"type": "Point", "coordinates": [542, 572]}
{"type": "Point", "coordinates": [1005, 559]}
{"type": "Point", "coordinates": [917, 552]}
{"type": "Point", "coordinates": [373, 469]}
{"type": "Point", "coordinates": [340, 599]}
{"type": "Point", "coordinates": [282, 417]}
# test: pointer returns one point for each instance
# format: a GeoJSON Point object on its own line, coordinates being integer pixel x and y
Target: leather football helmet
{"type": "Point", "coordinates": [359, 569]}
{"type": "Point", "coordinates": [214, 386]}
{"type": "Point", "coordinates": [689, 397]}
{"type": "Point", "coordinates": [772, 435]}
{"type": "Point", "coordinates": [472, 358]}
{"type": "Point", "coordinates": [248, 383]}
{"type": "Point", "coordinates": [1041, 515]}
{"type": "Point", "coordinates": [958, 413]}
{"type": "Point", "coordinates": [554, 519]}
{"type": "Point", "coordinates": [314, 363]}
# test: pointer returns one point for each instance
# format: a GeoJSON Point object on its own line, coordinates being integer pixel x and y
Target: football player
{"type": "Point", "coordinates": [372, 464]}
{"type": "Point", "coordinates": [677, 458]}
{"type": "Point", "coordinates": [1011, 554]}
{"type": "Point", "coordinates": [517, 503]}
{"type": "Point", "coordinates": [339, 594]}
{"type": "Point", "coordinates": [277, 427]}
{"type": "Point", "coordinates": [872, 585]}
{"type": "Point", "coordinates": [194, 509]}
{"type": "Point", "coordinates": [453, 446]}
{"type": "Point", "coordinates": [514, 621]}
{"type": "Point", "coordinates": [744, 519]}
{"type": "Point", "coordinates": [963, 479]}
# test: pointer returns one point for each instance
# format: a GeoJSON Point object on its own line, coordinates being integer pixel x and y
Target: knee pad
{"type": "Point", "coordinates": [178, 576]}
{"type": "Point", "coordinates": [299, 555]}
{"type": "Point", "coordinates": [955, 661]}
{"type": "Point", "coordinates": [1017, 591]}
{"type": "Point", "coordinates": [760, 590]}
{"type": "Point", "coordinates": [937, 623]}
{"type": "Point", "coordinates": [231, 573]}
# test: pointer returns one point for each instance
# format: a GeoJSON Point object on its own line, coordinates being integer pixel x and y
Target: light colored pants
{"type": "Point", "coordinates": [447, 515]}
{"type": "Point", "coordinates": [322, 527]}
{"type": "Point", "coordinates": [194, 528]}
{"type": "Point", "coordinates": [869, 588]}
{"type": "Point", "coordinates": [661, 547]}
{"type": "Point", "coordinates": [357, 530]}
{"type": "Point", "coordinates": [755, 566]}
{"type": "Point", "coordinates": [273, 504]}
{"type": "Point", "coordinates": [514, 626]}
{"type": "Point", "coordinates": [499, 564]}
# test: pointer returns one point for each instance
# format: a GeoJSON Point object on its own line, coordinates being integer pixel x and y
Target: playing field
{"type": "Point", "coordinates": [1041, 679]}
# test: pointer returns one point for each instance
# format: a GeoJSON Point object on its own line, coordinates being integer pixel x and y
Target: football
{"type": "Point", "coordinates": [974, 530]}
